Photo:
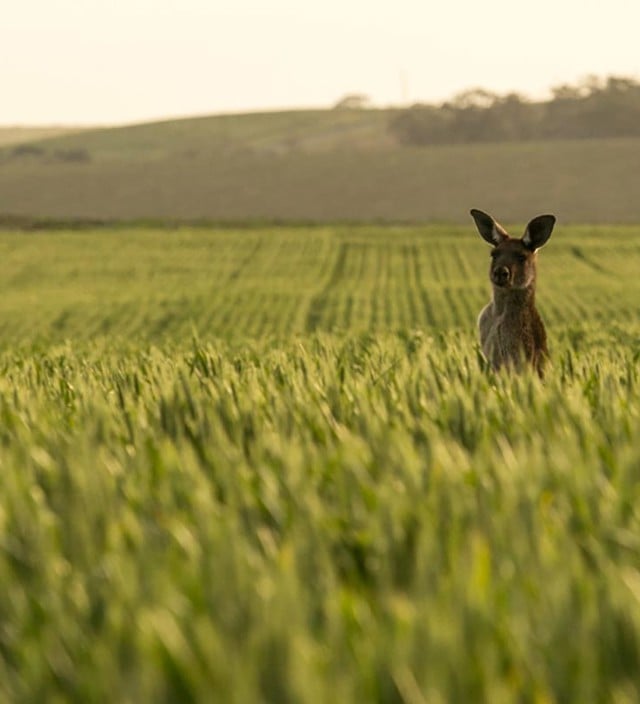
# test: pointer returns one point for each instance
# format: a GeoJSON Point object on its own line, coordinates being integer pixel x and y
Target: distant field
{"type": "Point", "coordinates": [269, 465]}
{"type": "Point", "coordinates": [320, 166]}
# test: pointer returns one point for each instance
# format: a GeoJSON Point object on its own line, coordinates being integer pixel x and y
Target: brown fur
{"type": "Point", "coordinates": [512, 333]}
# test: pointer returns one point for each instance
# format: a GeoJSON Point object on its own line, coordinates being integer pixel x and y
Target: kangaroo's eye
{"type": "Point", "coordinates": [522, 258]}
{"type": "Point", "coordinates": [493, 254]}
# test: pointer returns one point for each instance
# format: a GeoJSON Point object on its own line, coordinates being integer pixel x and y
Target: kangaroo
{"type": "Point", "coordinates": [512, 333]}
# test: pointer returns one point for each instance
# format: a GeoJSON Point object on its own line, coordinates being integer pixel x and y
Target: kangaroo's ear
{"type": "Point", "coordinates": [538, 232]}
{"type": "Point", "coordinates": [489, 229]}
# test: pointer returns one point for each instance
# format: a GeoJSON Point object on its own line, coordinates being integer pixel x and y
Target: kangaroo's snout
{"type": "Point", "coordinates": [501, 276]}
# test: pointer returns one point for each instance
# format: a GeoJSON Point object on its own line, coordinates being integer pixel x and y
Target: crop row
{"type": "Point", "coordinates": [164, 284]}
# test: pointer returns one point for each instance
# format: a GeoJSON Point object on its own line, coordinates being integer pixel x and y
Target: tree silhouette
{"type": "Point", "coordinates": [593, 108]}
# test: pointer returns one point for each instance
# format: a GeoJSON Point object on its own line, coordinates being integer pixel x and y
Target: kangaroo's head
{"type": "Point", "coordinates": [513, 260]}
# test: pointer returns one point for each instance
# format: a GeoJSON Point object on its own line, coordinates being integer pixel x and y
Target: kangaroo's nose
{"type": "Point", "coordinates": [501, 275]}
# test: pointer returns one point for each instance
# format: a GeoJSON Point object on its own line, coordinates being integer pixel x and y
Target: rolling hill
{"type": "Point", "coordinates": [22, 135]}
{"type": "Point", "coordinates": [316, 166]}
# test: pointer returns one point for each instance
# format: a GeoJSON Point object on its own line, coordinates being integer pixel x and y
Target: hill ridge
{"type": "Point", "coordinates": [310, 166]}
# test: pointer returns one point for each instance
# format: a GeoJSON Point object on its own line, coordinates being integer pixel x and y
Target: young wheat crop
{"type": "Point", "coordinates": [363, 513]}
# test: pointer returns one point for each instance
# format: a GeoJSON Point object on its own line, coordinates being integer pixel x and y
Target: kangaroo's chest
{"type": "Point", "coordinates": [504, 337]}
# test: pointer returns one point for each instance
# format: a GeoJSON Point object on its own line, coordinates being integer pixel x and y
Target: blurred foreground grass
{"type": "Point", "coordinates": [364, 519]}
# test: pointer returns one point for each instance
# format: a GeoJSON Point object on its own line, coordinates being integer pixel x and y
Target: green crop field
{"type": "Point", "coordinates": [163, 285]}
{"type": "Point", "coordinates": [269, 465]}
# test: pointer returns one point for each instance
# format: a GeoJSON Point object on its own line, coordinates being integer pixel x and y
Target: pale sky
{"type": "Point", "coordinates": [119, 61]}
